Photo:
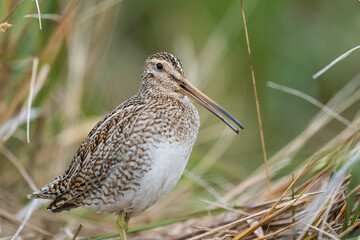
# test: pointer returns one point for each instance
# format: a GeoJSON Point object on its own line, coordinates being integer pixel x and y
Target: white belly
{"type": "Point", "coordinates": [169, 161]}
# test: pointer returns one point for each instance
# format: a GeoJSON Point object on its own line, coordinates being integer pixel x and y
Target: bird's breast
{"type": "Point", "coordinates": [168, 164]}
{"type": "Point", "coordinates": [168, 149]}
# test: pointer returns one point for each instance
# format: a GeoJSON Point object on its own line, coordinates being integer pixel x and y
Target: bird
{"type": "Point", "coordinates": [137, 153]}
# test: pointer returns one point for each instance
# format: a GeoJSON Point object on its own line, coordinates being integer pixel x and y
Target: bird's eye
{"type": "Point", "coordinates": [159, 66]}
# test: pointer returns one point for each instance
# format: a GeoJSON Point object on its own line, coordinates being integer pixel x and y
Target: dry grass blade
{"type": "Point", "coordinates": [26, 219]}
{"type": "Point", "coordinates": [10, 126]}
{"type": "Point", "coordinates": [287, 190]}
{"type": "Point", "coordinates": [39, 13]}
{"type": "Point", "coordinates": [311, 100]}
{"type": "Point", "coordinates": [48, 54]}
{"type": "Point", "coordinates": [32, 86]}
{"type": "Point", "coordinates": [259, 232]}
{"type": "Point", "coordinates": [4, 26]}
{"type": "Point", "coordinates": [340, 213]}
{"type": "Point", "coordinates": [198, 180]}
{"type": "Point", "coordinates": [356, 224]}
{"type": "Point", "coordinates": [357, 189]}
{"type": "Point", "coordinates": [258, 214]}
{"type": "Point", "coordinates": [324, 202]}
{"type": "Point", "coordinates": [341, 57]}
{"type": "Point", "coordinates": [250, 230]}
{"type": "Point", "coordinates": [66, 23]}
{"type": "Point", "coordinates": [323, 232]}
{"type": "Point", "coordinates": [26, 113]}
{"type": "Point", "coordinates": [214, 154]}
{"type": "Point", "coordinates": [276, 232]}
{"type": "Point", "coordinates": [219, 229]}
{"type": "Point", "coordinates": [273, 215]}
{"type": "Point", "coordinates": [256, 100]}
{"type": "Point", "coordinates": [9, 155]}
{"type": "Point", "coordinates": [77, 232]}
{"type": "Point", "coordinates": [82, 44]}
{"type": "Point", "coordinates": [47, 16]}
{"type": "Point", "coordinates": [11, 217]}
{"type": "Point", "coordinates": [220, 205]}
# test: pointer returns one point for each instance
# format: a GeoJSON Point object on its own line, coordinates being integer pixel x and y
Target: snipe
{"type": "Point", "coordinates": [138, 152]}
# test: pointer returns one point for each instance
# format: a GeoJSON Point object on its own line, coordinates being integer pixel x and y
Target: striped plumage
{"type": "Point", "coordinates": [136, 153]}
{"type": "Point", "coordinates": [116, 154]}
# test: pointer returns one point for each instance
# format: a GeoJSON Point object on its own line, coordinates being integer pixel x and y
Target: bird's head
{"type": "Point", "coordinates": [163, 74]}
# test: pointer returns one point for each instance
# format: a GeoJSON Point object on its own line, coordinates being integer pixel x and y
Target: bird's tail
{"type": "Point", "coordinates": [42, 194]}
{"type": "Point", "coordinates": [52, 190]}
{"type": "Point", "coordinates": [61, 203]}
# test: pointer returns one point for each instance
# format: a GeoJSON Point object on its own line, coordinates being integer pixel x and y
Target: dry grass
{"type": "Point", "coordinates": [316, 197]}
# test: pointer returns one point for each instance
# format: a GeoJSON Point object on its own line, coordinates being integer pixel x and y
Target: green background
{"type": "Point", "coordinates": [100, 63]}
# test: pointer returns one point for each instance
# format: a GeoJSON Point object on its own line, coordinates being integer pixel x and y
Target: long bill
{"type": "Point", "coordinates": [188, 89]}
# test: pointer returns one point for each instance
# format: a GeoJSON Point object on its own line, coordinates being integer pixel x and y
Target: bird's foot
{"type": "Point", "coordinates": [122, 225]}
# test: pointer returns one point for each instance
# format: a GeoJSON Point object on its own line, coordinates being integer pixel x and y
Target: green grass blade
{"type": "Point", "coordinates": [162, 223]}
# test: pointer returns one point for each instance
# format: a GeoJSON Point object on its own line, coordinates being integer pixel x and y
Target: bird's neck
{"type": "Point", "coordinates": [157, 93]}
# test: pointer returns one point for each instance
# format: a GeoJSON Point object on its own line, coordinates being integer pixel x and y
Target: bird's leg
{"type": "Point", "coordinates": [122, 225]}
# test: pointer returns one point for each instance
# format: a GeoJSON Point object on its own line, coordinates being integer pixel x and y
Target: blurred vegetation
{"type": "Point", "coordinates": [95, 51]}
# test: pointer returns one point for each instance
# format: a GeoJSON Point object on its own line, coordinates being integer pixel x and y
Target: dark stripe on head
{"type": "Point", "coordinates": [169, 58]}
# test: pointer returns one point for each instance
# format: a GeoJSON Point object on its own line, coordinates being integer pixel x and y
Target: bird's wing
{"type": "Point", "coordinates": [95, 156]}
